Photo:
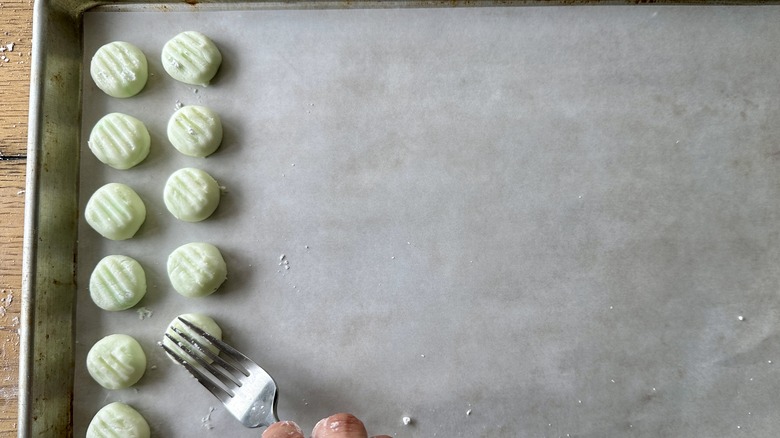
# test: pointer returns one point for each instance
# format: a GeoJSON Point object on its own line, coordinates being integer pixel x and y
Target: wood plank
{"type": "Point", "coordinates": [16, 46]}
{"type": "Point", "coordinates": [16, 29]}
{"type": "Point", "coordinates": [12, 182]}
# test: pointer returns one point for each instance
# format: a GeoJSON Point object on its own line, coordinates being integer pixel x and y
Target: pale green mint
{"type": "Point", "coordinates": [191, 195]}
{"type": "Point", "coordinates": [117, 283]}
{"type": "Point", "coordinates": [196, 269]}
{"type": "Point", "coordinates": [203, 322]}
{"type": "Point", "coordinates": [192, 58]}
{"type": "Point", "coordinates": [195, 131]}
{"type": "Point", "coordinates": [115, 211]}
{"type": "Point", "coordinates": [118, 420]}
{"type": "Point", "coordinates": [116, 361]}
{"type": "Point", "coordinates": [119, 69]}
{"type": "Point", "coordinates": [119, 140]}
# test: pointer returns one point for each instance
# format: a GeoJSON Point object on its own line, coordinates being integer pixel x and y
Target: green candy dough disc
{"type": "Point", "coordinates": [192, 58]}
{"type": "Point", "coordinates": [195, 131]}
{"type": "Point", "coordinates": [203, 322]}
{"type": "Point", "coordinates": [196, 269]}
{"type": "Point", "coordinates": [117, 283]}
{"type": "Point", "coordinates": [191, 194]}
{"type": "Point", "coordinates": [115, 211]}
{"type": "Point", "coordinates": [120, 141]}
{"type": "Point", "coordinates": [119, 69]}
{"type": "Point", "coordinates": [116, 361]}
{"type": "Point", "coordinates": [118, 420]}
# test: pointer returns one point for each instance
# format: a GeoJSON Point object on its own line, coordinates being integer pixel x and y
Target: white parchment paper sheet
{"type": "Point", "coordinates": [498, 221]}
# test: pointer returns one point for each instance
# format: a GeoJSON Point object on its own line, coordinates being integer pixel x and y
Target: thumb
{"type": "Point", "coordinates": [340, 426]}
{"type": "Point", "coordinates": [283, 429]}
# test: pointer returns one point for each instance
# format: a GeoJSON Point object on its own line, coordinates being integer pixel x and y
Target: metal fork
{"type": "Point", "coordinates": [246, 390]}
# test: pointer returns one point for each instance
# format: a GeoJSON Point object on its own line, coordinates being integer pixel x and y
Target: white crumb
{"type": "Point", "coordinates": [406, 420]}
{"type": "Point", "coordinates": [10, 47]}
{"type": "Point", "coordinates": [144, 313]}
{"type": "Point", "coordinates": [284, 262]}
{"type": "Point", "coordinates": [741, 318]}
{"type": "Point", "coordinates": [206, 421]}
{"type": "Point", "coordinates": [468, 412]}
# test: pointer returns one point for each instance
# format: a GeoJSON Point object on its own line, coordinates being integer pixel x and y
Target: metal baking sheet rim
{"type": "Point", "coordinates": [51, 214]}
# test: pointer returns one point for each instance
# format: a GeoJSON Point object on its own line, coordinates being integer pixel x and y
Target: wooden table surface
{"type": "Point", "coordinates": [16, 29]}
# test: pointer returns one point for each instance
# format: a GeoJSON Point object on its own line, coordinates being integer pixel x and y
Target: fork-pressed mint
{"type": "Point", "coordinates": [119, 140]}
{"type": "Point", "coordinates": [203, 322]}
{"type": "Point", "coordinates": [195, 131]}
{"type": "Point", "coordinates": [191, 194]}
{"type": "Point", "coordinates": [118, 282]}
{"type": "Point", "coordinates": [191, 57]}
{"type": "Point", "coordinates": [115, 211]}
{"type": "Point", "coordinates": [119, 69]}
{"type": "Point", "coordinates": [196, 269]}
{"type": "Point", "coordinates": [118, 420]}
{"type": "Point", "coordinates": [116, 361]}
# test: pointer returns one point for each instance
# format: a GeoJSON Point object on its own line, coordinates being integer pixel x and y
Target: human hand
{"type": "Point", "coordinates": [335, 426]}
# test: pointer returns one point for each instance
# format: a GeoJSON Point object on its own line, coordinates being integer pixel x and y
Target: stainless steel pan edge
{"type": "Point", "coordinates": [51, 216]}
{"type": "Point", "coordinates": [48, 281]}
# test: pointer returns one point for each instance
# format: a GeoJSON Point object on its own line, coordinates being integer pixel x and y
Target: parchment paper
{"type": "Point", "coordinates": [500, 222]}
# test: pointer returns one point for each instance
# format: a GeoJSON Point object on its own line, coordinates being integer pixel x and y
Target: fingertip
{"type": "Point", "coordinates": [283, 429]}
{"type": "Point", "coordinates": [340, 425]}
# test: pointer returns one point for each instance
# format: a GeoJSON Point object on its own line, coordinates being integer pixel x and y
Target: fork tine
{"type": "Point", "coordinates": [210, 354]}
{"type": "Point", "coordinates": [232, 352]}
{"type": "Point", "coordinates": [218, 391]}
{"type": "Point", "coordinates": [225, 377]}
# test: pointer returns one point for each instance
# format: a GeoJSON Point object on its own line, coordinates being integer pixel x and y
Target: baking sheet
{"type": "Point", "coordinates": [497, 221]}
